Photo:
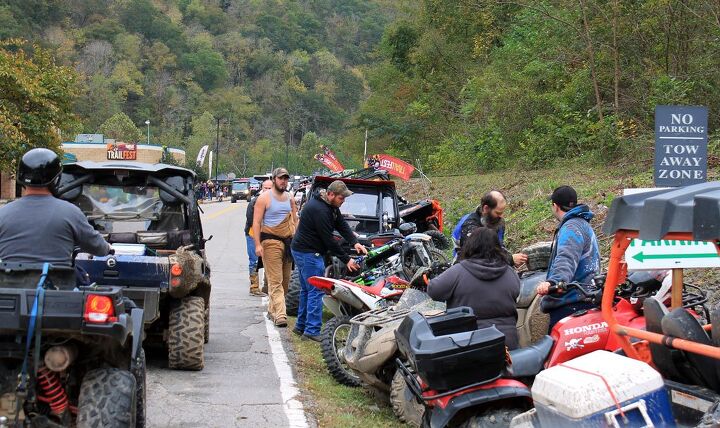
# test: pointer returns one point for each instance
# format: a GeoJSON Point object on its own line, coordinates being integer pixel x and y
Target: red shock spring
{"type": "Point", "coordinates": [53, 392]}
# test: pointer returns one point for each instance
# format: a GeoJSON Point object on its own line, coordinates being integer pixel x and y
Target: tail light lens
{"type": "Point", "coordinates": [322, 283]}
{"type": "Point", "coordinates": [175, 271]}
{"type": "Point", "coordinates": [99, 309]}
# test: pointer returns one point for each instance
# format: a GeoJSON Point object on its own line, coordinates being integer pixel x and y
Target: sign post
{"type": "Point", "coordinates": [671, 254]}
{"type": "Point", "coordinates": [680, 145]}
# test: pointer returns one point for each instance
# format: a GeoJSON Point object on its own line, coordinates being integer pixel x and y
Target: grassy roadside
{"type": "Point", "coordinates": [332, 404]}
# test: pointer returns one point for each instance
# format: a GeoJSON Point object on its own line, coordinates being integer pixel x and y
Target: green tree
{"type": "Point", "coordinates": [120, 127]}
{"type": "Point", "coordinates": [36, 102]}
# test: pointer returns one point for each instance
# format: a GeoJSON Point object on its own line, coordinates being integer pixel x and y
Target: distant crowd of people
{"type": "Point", "coordinates": [208, 190]}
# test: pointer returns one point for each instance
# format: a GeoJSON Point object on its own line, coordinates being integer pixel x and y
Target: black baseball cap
{"type": "Point", "coordinates": [565, 197]}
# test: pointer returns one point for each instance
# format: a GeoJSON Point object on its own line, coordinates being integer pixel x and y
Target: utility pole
{"type": "Point", "coordinates": [365, 151]}
{"type": "Point", "coordinates": [287, 148]}
{"type": "Point", "coordinates": [217, 148]}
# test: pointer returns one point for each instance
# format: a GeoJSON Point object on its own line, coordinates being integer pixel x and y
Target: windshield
{"type": "Point", "coordinates": [360, 211]}
{"type": "Point", "coordinates": [120, 209]}
{"type": "Point", "coordinates": [240, 186]}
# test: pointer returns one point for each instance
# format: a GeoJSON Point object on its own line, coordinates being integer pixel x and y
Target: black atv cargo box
{"type": "Point", "coordinates": [448, 351]}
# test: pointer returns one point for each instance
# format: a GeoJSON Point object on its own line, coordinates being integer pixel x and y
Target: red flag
{"type": "Point", "coordinates": [328, 152]}
{"type": "Point", "coordinates": [332, 164]}
{"type": "Point", "coordinates": [392, 165]}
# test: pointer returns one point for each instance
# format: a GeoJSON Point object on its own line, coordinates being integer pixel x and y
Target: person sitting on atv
{"type": "Point", "coordinates": [484, 281]}
{"type": "Point", "coordinates": [488, 214]}
{"type": "Point", "coordinates": [39, 227]}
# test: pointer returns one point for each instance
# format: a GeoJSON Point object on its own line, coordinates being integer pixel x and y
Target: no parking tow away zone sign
{"type": "Point", "coordinates": [671, 254]}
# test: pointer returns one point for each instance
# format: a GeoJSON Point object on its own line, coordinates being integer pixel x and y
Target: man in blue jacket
{"type": "Point", "coordinates": [575, 254]}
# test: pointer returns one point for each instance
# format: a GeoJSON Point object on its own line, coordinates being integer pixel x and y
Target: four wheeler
{"type": "Point", "coordinates": [573, 336]}
{"type": "Point", "coordinates": [69, 356]}
{"type": "Point", "coordinates": [371, 289]}
{"type": "Point", "coordinates": [372, 348]}
{"type": "Point", "coordinates": [149, 215]}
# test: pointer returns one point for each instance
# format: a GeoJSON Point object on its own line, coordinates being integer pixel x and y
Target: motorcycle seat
{"type": "Point", "coordinates": [683, 325]}
{"type": "Point", "coordinates": [529, 361]}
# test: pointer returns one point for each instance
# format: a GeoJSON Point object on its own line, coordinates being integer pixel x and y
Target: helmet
{"type": "Point", "coordinates": [39, 168]}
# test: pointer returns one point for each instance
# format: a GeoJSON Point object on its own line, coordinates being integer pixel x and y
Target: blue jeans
{"type": "Point", "coordinates": [309, 318]}
{"type": "Point", "coordinates": [252, 257]}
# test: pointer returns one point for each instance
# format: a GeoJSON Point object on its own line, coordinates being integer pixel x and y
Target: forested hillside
{"type": "Point", "coordinates": [271, 72]}
{"type": "Point", "coordinates": [461, 85]}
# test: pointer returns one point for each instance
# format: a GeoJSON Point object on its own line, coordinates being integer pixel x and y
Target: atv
{"type": "Point", "coordinates": [70, 356]}
{"type": "Point", "coordinates": [149, 214]}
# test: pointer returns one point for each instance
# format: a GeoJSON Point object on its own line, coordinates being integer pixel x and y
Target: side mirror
{"type": "Point", "coordinates": [408, 228]}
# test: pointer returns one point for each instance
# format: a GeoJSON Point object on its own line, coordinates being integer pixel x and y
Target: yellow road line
{"type": "Point", "coordinates": [221, 212]}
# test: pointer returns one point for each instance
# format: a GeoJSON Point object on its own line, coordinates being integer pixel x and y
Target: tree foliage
{"type": "Point", "coordinates": [36, 101]}
{"type": "Point", "coordinates": [121, 128]}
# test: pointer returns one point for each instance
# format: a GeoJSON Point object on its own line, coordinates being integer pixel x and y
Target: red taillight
{"type": "Point", "coordinates": [322, 283]}
{"type": "Point", "coordinates": [176, 270]}
{"type": "Point", "coordinates": [99, 309]}
{"type": "Point", "coordinates": [175, 282]}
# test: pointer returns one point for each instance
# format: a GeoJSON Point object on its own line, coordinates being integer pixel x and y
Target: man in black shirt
{"type": "Point", "coordinates": [314, 237]}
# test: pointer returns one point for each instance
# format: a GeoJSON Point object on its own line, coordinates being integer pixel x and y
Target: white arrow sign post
{"type": "Point", "coordinates": [667, 254]}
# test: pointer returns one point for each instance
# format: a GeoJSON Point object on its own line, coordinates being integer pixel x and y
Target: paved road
{"type": "Point", "coordinates": [246, 381]}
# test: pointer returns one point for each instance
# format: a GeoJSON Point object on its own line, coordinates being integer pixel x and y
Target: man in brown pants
{"type": "Point", "coordinates": [274, 223]}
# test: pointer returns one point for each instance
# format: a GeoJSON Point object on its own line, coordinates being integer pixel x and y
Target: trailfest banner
{"type": "Point", "coordinates": [392, 165]}
{"type": "Point", "coordinates": [328, 158]}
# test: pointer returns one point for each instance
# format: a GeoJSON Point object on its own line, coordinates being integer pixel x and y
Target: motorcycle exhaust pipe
{"type": "Point", "coordinates": [344, 295]}
{"type": "Point", "coordinates": [58, 358]}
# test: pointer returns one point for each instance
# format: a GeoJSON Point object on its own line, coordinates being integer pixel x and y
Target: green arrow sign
{"type": "Point", "coordinates": [642, 257]}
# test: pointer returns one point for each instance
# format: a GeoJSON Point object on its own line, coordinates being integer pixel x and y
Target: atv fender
{"type": "Point", "coordinates": [193, 272]}
{"type": "Point", "coordinates": [137, 332]}
{"type": "Point", "coordinates": [441, 416]}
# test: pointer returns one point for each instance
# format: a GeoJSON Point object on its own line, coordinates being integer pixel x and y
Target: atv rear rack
{"type": "Point", "coordinates": [378, 317]}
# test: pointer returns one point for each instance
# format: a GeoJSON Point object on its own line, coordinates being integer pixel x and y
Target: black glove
{"type": "Point", "coordinates": [419, 280]}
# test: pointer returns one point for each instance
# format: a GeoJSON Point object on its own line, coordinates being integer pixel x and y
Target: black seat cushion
{"type": "Point", "coordinates": [530, 360]}
{"type": "Point", "coordinates": [662, 356]}
{"type": "Point", "coordinates": [681, 324]}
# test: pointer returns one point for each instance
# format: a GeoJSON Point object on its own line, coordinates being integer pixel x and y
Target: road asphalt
{"type": "Point", "coordinates": [247, 381]}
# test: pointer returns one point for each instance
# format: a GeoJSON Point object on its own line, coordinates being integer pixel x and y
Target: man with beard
{"type": "Point", "coordinates": [319, 218]}
{"type": "Point", "coordinates": [274, 223]}
{"type": "Point", "coordinates": [488, 214]}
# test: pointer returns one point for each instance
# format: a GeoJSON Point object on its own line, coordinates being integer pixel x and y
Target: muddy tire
{"type": "Point", "coordinates": [438, 256]}
{"type": "Point", "coordinates": [139, 372]}
{"type": "Point", "coordinates": [495, 417]}
{"type": "Point", "coordinates": [538, 255]}
{"type": "Point", "coordinates": [207, 325]}
{"type": "Point", "coordinates": [186, 335]}
{"type": "Point", "coordinates": [292, 298]}
{"type": "Point", "coordinates": [538, 321]}
{"type": "Point", "coordinates": [440, 241]}
{"type": "Point", "coordinates": [404, 404]}
{"type": "Point", "coordinates": [107, 399]}
{"type": "Point", "coordinates": [334, 334]}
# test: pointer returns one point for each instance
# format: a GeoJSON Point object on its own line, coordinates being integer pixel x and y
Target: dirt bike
{"type": "Point", "coordinates": [500, 391]}
{"type": "Point", "coordinates": [378, 287]}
